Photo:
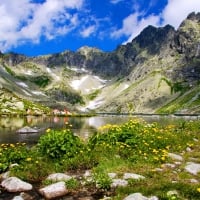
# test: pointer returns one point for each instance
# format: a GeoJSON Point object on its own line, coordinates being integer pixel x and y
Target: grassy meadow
{"type": "Point", "coordinates": [133, 147]}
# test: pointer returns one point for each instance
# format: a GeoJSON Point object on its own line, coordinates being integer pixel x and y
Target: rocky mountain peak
{"type": "Point", "coordinates": [188, 36]}
{"type": "Point", "coordinates": [85, 50]}
{"type": "Point", "coordinates": [153, 38]}
{"type": "Point", "coordinates": [190, 21]}
{"type": "Point", "coordinates": [194, 16]}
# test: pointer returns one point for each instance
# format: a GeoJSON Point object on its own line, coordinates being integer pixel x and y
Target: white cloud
{"type": "Point", "coordinates": [24, 20]}
{"type": "Point", "coordinates": [177, 10]}
{"type": "Point", "coordinates": [132, 26]}
{"type": "Point", "coordinates": [173, 13]}
{"type": "Point", "coordinates": [88, 31]}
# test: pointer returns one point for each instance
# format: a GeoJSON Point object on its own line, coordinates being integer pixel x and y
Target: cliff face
{"type": "Point", "coordinates": [157, 72]}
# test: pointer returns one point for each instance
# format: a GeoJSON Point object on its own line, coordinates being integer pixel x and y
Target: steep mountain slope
{"type": "Point", "coordinates": [158, 72]}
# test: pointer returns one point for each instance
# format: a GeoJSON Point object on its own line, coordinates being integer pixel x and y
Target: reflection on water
{"type": "Point", "coordinates": [81, 126]}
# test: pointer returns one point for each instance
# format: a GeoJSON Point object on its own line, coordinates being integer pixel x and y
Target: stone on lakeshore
{"type": "Point", "coordinates": [133, 176]}
{"type": "Point", "coordinates": [19, 105]}
{"type": "Point", "coordinates": [119, 183]}
{"type": "Point", "coordinates": [58, 177]}
{"type": "Point", "coordinates": [192, 168]}
{"type": "Point", "coordinates": [13, 184]}
{"type": "Point", "coordinates": [54, 190]}
{"type": "Point", "coordinates": [139, 196]}
{"type": "Point", "coordinates": [174, 156]}
{"type": "Point", "coordinates": [27, 129]}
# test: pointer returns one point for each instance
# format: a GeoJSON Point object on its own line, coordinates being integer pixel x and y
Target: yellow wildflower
{"type": "Point", "coordinates": [12, 145]}
{"type": "Point", "coordinates": [48, 130]}
{"type": "Point", "coordinates": [163, 158]}
{"type": "Point", "coordinates": [28, 159]}
{"type": "Point", "coordinates": [156, 158]}
{"type": "Point", "coordinates": [155, 151]}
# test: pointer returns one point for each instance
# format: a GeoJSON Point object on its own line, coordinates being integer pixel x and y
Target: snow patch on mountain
{"type": "Point", "coordinates": [38, 93]}
{"type": "Point", "coordinates": [22, 84]}
{"type": "Point", "coordinates": [87, 83]}
{"type": "Point", "coordinates": [57, 78]}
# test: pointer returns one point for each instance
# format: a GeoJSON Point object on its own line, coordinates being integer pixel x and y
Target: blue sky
{"type": "Point", "coordinates": [39, 27]}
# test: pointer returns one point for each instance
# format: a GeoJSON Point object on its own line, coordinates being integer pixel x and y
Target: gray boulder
{"type": "Point", "coordinates": [13, 184]}
{"type": "Point", "coordinates": [54, 190]}
{"type": "Point", "coordinates": [174, 156]}
{"type": "Point", "coordinates": [133, 176]}
{"type": "Point", "coordinates": [119, 183]}
{"type": "Point", "coordinates": [28, 129]}
{"type": "Point", "coordinates": [59, 177]}
{"type": "Point", "coordinates": [192, 168]}
{"type": "Point", "coordinates": [139, 196]}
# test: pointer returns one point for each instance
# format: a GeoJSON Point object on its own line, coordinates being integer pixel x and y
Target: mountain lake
{"type": "Point", "coordinates": [81, 126]}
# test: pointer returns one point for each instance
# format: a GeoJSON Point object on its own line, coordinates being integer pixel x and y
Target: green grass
{"type": "Point", "coordinates": [93, 95]}
{"type": "Point", "coordinates": [183, 101]}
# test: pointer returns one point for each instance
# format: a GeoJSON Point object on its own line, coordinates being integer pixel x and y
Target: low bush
{"type": "Point", "coordinates": [12, 153]}
{"type": "Point", "coordinates": [58, 144]}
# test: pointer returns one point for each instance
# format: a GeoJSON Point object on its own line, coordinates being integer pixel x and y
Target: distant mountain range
{"type": "Point", "coordinates": [158, 72]}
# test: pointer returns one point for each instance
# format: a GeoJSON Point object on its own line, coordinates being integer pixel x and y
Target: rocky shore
{"type": "Point", "coordinates": [58, 187]}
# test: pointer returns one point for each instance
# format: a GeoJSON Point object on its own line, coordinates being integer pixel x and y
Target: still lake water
{"type": "Point", "coordinates": [81, 126]}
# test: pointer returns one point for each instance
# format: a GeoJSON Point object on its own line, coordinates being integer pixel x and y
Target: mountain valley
{"type": "Point", "coordinates": [158, 72]}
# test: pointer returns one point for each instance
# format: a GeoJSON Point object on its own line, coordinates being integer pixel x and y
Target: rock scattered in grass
{"type": "Point", "coordinates": [192, 168]}
{"type": "Point", "coordinates": [133, 176]}
{"type": "Point", "coordinates": [59, 177]}
{"type": "Point", "coordinates": [139, 196]}
{"type": "Point", "coordinates": [174, 156]}
{"type": "Point", "coordinates": [119, 183]}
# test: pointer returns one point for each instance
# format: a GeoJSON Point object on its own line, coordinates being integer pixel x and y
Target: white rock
{"type": "Point", "coordinates": [175, 156]}
{"type": "Point", "coordinates": [59, 177]}
{"type": "Point", "coordinates": [13, 184]}
{"type": "Point", "coordinates": [158, 169]}
{"type": "Point", "coordinates": [194, 180]}
{"type": "Point", "coordinates": [112, 175]}
{"type": "Point", "coordinates": [139, 196]}
{"type": "Point", "coordinates": [188, 149]}
{"type": "Point", "coordinates": [177, 163]}
{"type": "Point", "coordinates": [18, 198]}
{"type": "Point", "coordinates": [169, 165]}
{"type": "Point", "coordinates": [192, 168]}
{"type": "Point", "coordinates": [19, 105]}
{"type": "Point", "coordinates": [87, 173]}
{"type": "Point", "coordinates": [54, 190]}
{"type": "Point", "coordinates": [133, 176]}
{"type": "Point", "coordinates": [119, 182]}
